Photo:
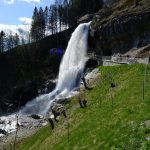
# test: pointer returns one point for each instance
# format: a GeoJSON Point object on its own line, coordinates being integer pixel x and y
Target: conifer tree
{"type": "Point", "coordinates": [34, 35]}
{"type": "Point", "coordinates": [41, 23]}
{"type": "Point", "coordinates": [10, 41]}
{"type": "Point", "coordinates": [53, 19]}
{"type": "Point", "coordinates": [2, 41]}
{"type": "Point", "coordinates": [38, 25]}
{"type": "Point", "coordinates": [60, 13]}
{"type": "Point", "coordinates": [46, 16]}
{"type": "Point", "coordinates": [16, 40]}
{"type": "Point", "coordinates": [65, 13]}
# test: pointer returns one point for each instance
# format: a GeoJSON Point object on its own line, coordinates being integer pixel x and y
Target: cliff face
{"type": "Point", "coordinates": [123, 25]}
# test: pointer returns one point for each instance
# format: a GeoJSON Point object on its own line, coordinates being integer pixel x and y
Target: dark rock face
{"type": "Point", "coordinates": [18, 97]}
{"type": "Point", "coordinates": [91, 63]}
{"type": "Point", "coordinates": [47, 87]}
{"type": "Point", "coordinates": [25, 93]}
{"type": "Point", "coordinates": [114, 31]}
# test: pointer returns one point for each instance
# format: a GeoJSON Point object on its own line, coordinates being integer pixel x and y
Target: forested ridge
{"type": "Point", "coordinates": [52, 19]}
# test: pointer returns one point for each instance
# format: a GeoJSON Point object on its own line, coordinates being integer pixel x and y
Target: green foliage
{"type": "Point", "coordinates": [62, 12]}
{"type": "Point", "coordinates": [99, 125]}
{"type": "Point", "coordinates": [38, 24]}
{"type": "Point", "coordinates": [78, 8]}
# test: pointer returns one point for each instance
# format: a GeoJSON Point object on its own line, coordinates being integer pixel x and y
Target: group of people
{"type": "Point", "coordinates": [82, 102]}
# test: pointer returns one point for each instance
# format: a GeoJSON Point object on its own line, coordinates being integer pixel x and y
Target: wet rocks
{"type": "Point", "coordinates": [3, 132]}
{"type": "Point", "coordinates": [18, 97]}
{"type": "Point", "coordinates": [47, 87]}
{"type": "Point", "coordinates": [35, 116]}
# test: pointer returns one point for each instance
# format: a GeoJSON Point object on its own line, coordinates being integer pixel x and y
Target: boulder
{"type": "Point", "coordinates": [47, 87]}
{"type": "Point", "coordinates": [35, 116]}
{"type": "Point", "coordinates": [85, 18]}
{"type": "Point", "coordinates": [18, 97]}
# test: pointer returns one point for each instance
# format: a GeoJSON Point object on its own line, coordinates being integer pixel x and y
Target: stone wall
{"type": "Point", "coordinates": [124, 60]}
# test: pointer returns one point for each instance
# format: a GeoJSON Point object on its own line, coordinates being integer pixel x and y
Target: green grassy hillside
{"type": "Point", "coordinates": [115, 118]}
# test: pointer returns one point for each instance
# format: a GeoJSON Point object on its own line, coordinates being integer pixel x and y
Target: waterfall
{"type": "Point", "coordinates": [74, 59]}
{"type": "Point", "coordinates": [71, 69]}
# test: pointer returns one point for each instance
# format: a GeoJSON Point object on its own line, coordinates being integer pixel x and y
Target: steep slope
{"type": "Point", "coordinates": [115, 118]}
{"type": "Point", "coordinates": [121, 26]}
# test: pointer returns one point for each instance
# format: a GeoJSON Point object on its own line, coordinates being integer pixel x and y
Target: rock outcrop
{"type": "Point", "coordinates": [121, 26]}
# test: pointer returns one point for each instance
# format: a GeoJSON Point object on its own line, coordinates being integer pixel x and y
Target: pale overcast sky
{"type": "Point", "coordinates": [15, 12]}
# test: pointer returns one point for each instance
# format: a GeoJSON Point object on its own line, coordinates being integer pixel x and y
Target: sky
{"type": "Point", "coordinates": [17, 12]}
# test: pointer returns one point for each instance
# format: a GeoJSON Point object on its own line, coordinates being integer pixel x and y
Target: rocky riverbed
{"type": "Point", "coordinates": [26, 127]}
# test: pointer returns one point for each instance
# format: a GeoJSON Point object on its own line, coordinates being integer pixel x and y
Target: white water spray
{"type": "Point", "coordinates": [74, 59]}
{"type": "Point", "coordinates": [70, 72]}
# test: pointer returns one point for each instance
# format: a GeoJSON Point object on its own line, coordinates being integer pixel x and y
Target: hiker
{"type": "Point", "coordinates": [50, 118]}
{"type": "Point", "coordinates": [64, 113]}
{"type": "Point", "coordinates": [83, 79]}
{"type": "Point", "coordinates": [55, 113]}
{"type": "Point", "coordinates": [82, 102]}
{"type": "Point", "coordinates": [85, 82]}
{"type": "Point", "coordinates": [51, 122]}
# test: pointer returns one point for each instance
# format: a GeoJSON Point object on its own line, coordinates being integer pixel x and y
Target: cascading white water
{"type": "Point", "coordinates": [70, 72]}
{"type": "Point", "coordinates": [74, 59]}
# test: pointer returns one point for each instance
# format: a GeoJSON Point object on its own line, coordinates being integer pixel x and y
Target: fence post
{"type": "Point", "coordinates": [144, 80]}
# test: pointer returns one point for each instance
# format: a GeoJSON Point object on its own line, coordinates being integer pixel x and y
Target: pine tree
{"type": "Point", "coordinates": [22, 41]}
{"type": "Point", "coordinates": [10, 42]}
{"type": "Point", "coordinates": [34, 29]}
{"type": "Point", "coordinates": [60, 13]}
{"type": "Point", "coordinates": [46, 16]}
{"type": "Point", "coordinates": [41, 24]}
{"type": "Point", "coordinates": [53, 19]}
{"type": "Point", "coordinates": [2, 41]}
{"type": "Point", "coordinates": [16, 40]}
{"type": "Point", "coordinates": [65, 13]}
{"type": "Point", "coordinates": [38, 25]}
{"type": "Point", "coordinates": [78, 8]}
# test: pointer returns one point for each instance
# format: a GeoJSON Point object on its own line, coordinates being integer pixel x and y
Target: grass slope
{"type": "Point", "coordinates": [103, 124]}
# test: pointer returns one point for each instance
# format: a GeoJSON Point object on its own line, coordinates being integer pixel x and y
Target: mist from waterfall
{"type": "Point", "coordinates": [71, 69]}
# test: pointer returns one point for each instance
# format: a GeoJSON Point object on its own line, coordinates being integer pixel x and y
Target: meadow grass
{"type": "Point", "coordinates": [114, 118]}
